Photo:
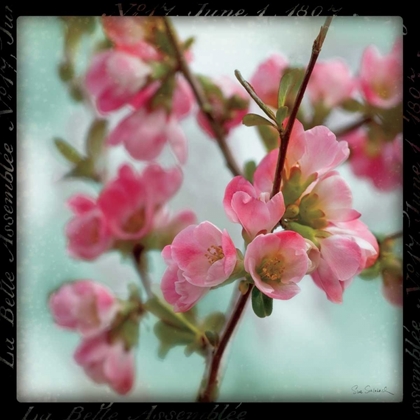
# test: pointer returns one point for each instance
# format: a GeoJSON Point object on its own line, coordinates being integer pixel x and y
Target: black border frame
{"type": "Point", "coordinates": [220, 411]}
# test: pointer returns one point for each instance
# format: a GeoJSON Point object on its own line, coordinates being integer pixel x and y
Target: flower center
{"type": "Point", "coordinates": [271, 269]}
{"type": "Point", "coordinates": [214, 253]}
{"type": "Point", "coordinates": [135, 222]}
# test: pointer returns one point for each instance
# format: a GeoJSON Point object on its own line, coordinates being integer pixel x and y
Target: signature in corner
{"type": "Point", "coordinates": [368, 390]}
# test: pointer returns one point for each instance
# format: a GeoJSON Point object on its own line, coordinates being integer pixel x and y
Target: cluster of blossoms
{"type": "Point", "coordinates": [130, 208]}
{"type": "Point", "coordinates": [322, 234]}
{"type": "Point", "coordinates": [106, 352]}
{"type": "Point", "coordinates": [141, 71]}
{"type": "Point", "coordinates": [376, 149]}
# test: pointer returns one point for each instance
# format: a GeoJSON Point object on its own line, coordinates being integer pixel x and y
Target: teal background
{"type": "Point", "coordinates": [309, 349]}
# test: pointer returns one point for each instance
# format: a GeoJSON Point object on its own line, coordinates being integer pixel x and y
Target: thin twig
{"type": "Point", "coordinates": [140, 264]}
{"type": "Point", "coordinates": [209, 387]}
{"type": "Point", "coordinates": [393, 236]}
{"type": "Point", "coordinates": [201, 99]}
{"type": "Point", "coordinates": [348, 129]}
{"type": "Point", "coordinates": [316, 49]}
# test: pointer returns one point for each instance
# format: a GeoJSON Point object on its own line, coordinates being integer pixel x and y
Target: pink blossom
{"type": "Point", "coordinates": [83, 305]}
{"type": "Point", "coordinates": [331, 83]}
{"type": "Point", "coordinates": [381, 76]}
{"type": "Point", "coordinates": [115, 77]}
{"type": "Point", "coordinates": [145, 133]}
{"type": "Point", "coordinates": [88, 234]}
{"type": "Point", "coordinates": [183, 99]}
{"type": "Point", "coordinates": [332, 197]}
{"type": "Point", "coordinates": [228, 116]}
{"type": "Point", "coordinates": [276, 262]}
{"type": "Point", "coordinates": [176, 290]}
{"type": "Point", "coordinates": [379, 162]}
{"type": "Point", "coordinates": [313, 152]}
{"type": "Point", "coordinates": [205, 254]}
{"type": "Point", "coordinates": [266, 79]}
{"type": "Point", "coordinates": [106, 361]}
{"type": "Point", "coordinates": [255, 212]}
{"type": "Point", "coordinates": [130, 201]}
{"type": "Point", "coordinates": [350, 249]}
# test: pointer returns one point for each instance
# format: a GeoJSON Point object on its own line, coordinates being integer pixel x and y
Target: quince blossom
{"type": "Point", "coordinates": [276, 262]}
{"type": "Point", "coordinates": [83, 305]}
{"type": "Point", "coordinates": [255, 212]}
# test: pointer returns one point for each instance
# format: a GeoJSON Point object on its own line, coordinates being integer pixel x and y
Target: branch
{"type": "Point", "coordinates": [140, 264]}
{"type": "Point", "coordinates": [209, 388]}
{"type": "Point", "coordinates": [348, 129]}
{"type": "Point", "coordinates": [201, 99]}
{"type": "Point", "coordinates": [316, 49]}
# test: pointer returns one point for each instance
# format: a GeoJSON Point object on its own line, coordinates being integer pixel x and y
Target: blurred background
{"type": "Point", "coordinates": [309, 349]}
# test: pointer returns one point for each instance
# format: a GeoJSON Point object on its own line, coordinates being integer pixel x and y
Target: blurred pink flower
{"type": "Point", "coordinates": [266, 79]}
{"type": "Point", "coordinates": [108, 362]}
{"type": "Point", "coordinates": [276, 262]}
{"type": "Point", "coordinates": [205, 254]}
{"type": "Point", "coordinates": [379, 162]}
{"type": "Point", "coordinates": [115, 77]}
{"type": "Point", "coordinates": [381, 76]}
{"type": "Point", "coordinates": [83, 305]}
{"type": "Point", "coordinates": [228, 116]}
{"type": "Point", "coordinates": [255, 212]}
{"type": "Point", "coordinates": [130, 201]}
{"type": "Point", "coordinates": [177, 291]}
{"type": "Point", "coordinates": [331, 83]}
{"type": "Point", "coordinates": [145, 133]}
{"type": "Point", "coordinates": [88, 235]}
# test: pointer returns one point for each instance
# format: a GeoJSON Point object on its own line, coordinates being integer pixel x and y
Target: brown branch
{"type": "Point", "coordinates": [316, 49]}
{"type": "Point", "coordinates": [211, 381]}
{"type": "Point", "coordinates": [140, 264]}
{"type": "Point", "coordinates": [201, 99]}
{"type": "Point", "coordinates": [348, 129]}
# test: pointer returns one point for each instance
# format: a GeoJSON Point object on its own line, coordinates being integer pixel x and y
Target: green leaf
{"type": "Point", "coordinates": [188, 42]}
{"type": "Point", "coordinates": [66, 71]}
{"type": "Point", "coordinates": [249, 170]}
{"type": "Point", "coordinates": [166, 314]}
{"type": "Point", "coordinates": [213, 322]}
{"type": "Point", "coordinates": [84, 169]}
{"type": "Point", "coordinates": [68, 151]}
{"type": "Point", "coordinates": [285, 84]}
{"type": "Point", "coordinates": [269, 136]}
{"type": "Point", "coordinates": [130, 332]}
{"type": "Point", "coordinates": [163, 96]}
{"type": "Point", "coordinates": [251, 120]}
{"type": "Point", "coordinates": [212, 337]}
{"type": "Point", "coordinates": [281, 114]}
{"type": "Point", "coordinates": [372, 272]}
{"type": "Point", "coordinates": [159, 69]}
{"type": "Point", "coordinates": [210, 89]}
{"type": "Point", "coordinates": [164, 43]}
{"type": "Point", "coordinates": [352, 105]}
{"type": "Point", "coordinates": [96, 137]}
{"type": "Point", "coordinates": [261, 303]}
{"type": "Point", "coordinates": [170, 337]}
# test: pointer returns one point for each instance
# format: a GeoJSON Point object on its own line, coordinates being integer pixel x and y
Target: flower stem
{"type": "Point", "coordinates": [211, 379]}
{"type": "Point", "coordinates": [348, 129]}
{"type": "Point", "coordinates": [201, 99]}
{"type": "Point", "coordinates": [140, 264]}
{"type": "Point", "coordinates": [316, 49]}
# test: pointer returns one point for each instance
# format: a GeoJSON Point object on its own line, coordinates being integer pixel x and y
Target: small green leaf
{"type": "Point", "coordinates": [249, 170]}
{"type": "Point", "coordinates": [163, 96]}
{"type": "Point", "coordinates": [281, 114]}
{"type": "Point", "coordinates": [251, 120]}
{"type": "Point", "coordinates": [159, 69]}
{"type": "Point", "coordinates": [170, 337]}
{"type": "Point", "coordinates": [269, 136]}
{"type": "Point", "coordinates": [352, 105]}
{"type": "Point", "coordinates": [130, 332]}
{"type": "Point", "coordinates": [68, 151]}
{"type": "Point", "coordinates": [212, 337]}
{"type": "Point", "coordinates": [96, 137]}
{"type": "Point", "coordinates": [261, 303]}
{"type": "Point", "coordinates": [66, 71]}
{"type": "Point", "coordinates": [372, 272]}
{"type": "Point", "coordinates": [84, 169]}
{"type": "Point", "coordinates": [285, 84]}
{"type": "Point", "coordinates": [188, 42]}
{"type": "Point", "coordinates": [164, 43]}
{"type": "Point", "coordinates": [213, 322]}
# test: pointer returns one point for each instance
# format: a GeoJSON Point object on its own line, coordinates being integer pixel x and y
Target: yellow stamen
{"type": "Point", "coordinates": [214, 253]}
